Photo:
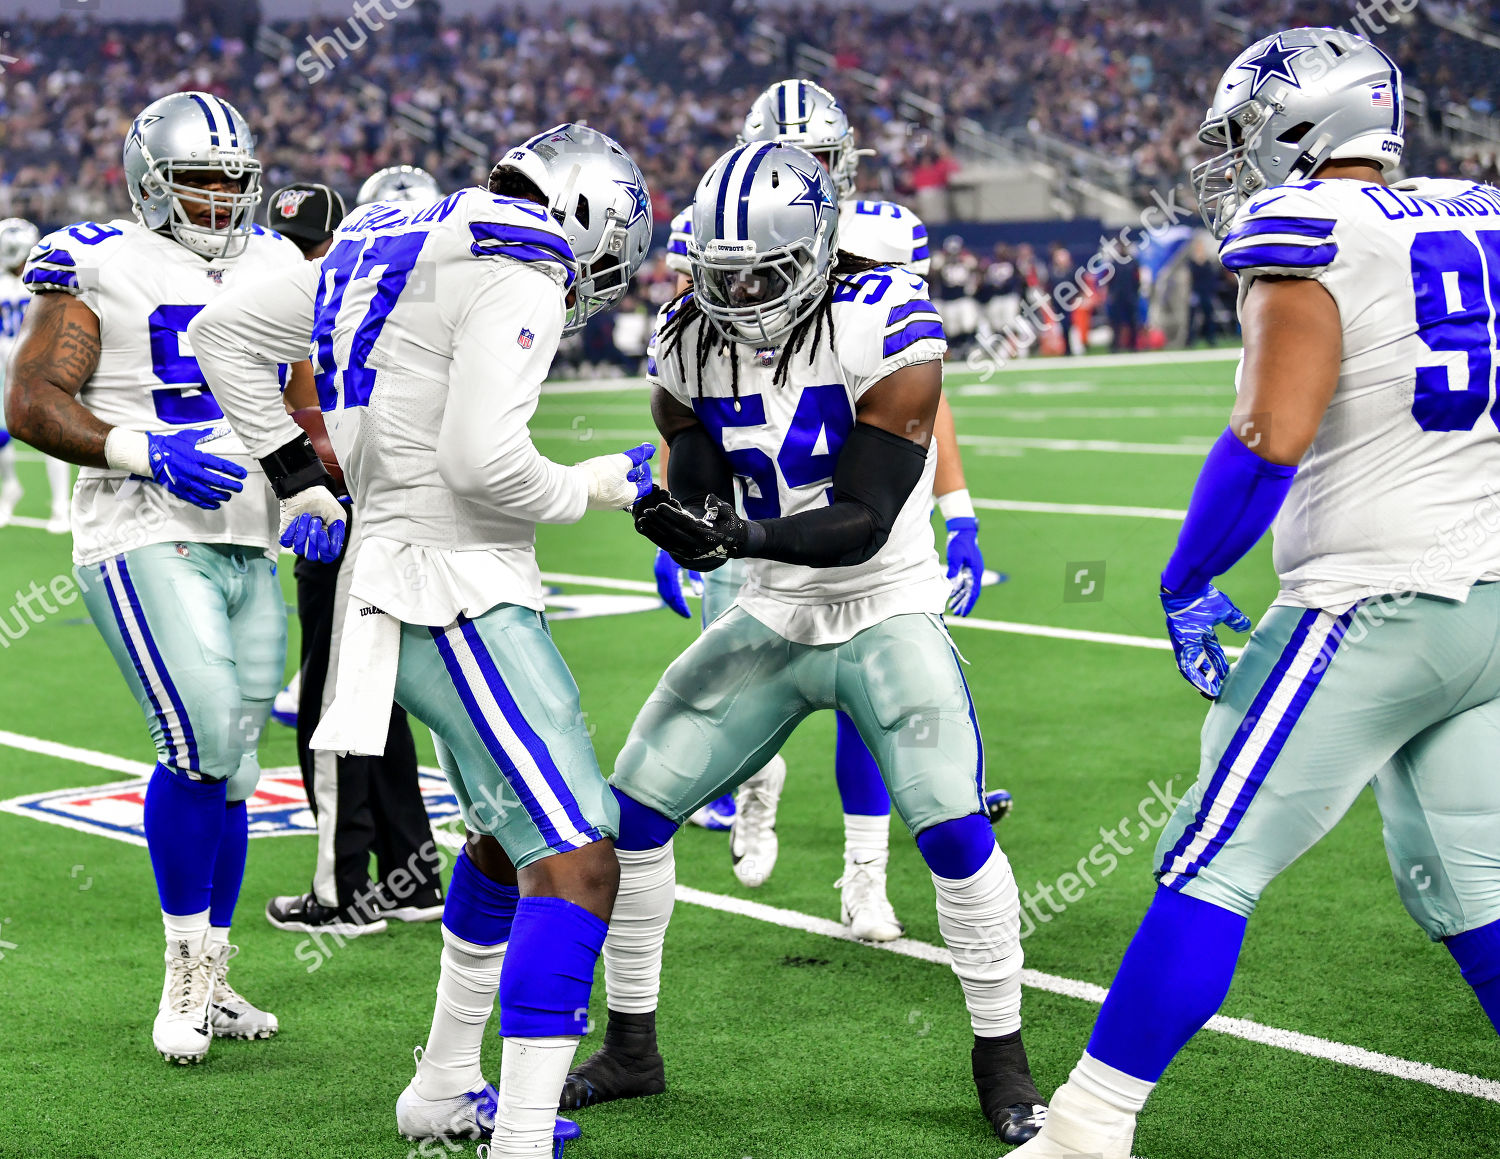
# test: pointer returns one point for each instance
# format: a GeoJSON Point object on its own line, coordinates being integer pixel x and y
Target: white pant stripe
{"type": "Point", "coordinates": [515, 748]}
{"type": "Point", "coordinates": [156, 683]}
{"type": "Point", "coordinates": [1260, 735]}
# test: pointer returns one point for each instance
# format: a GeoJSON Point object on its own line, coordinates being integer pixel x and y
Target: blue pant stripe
{"type": "Point", "coordinates": [184, 725]}
{"type": "Point", "coordinates": [1226, 762]}
{"type": "Point", "coordinates": [492, 743]}
{"type": "Point", "coordinates": [140, 669]}
{"type": "Point", "coordinates": [525, 733]}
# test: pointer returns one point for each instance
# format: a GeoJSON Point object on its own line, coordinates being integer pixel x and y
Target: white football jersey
{"type": "Point", "coordinates": [146, 288]}
{"type": "Point", "coordinates": [1397, 492]}
{"type": "Point", "coordinates": [14, 298]}
{"type": "Point", "coordinates": [393, 337]}
{"type": "Point", "coordinates": [884, 232]}
{"type": "Point", "coordinates": [782, 443]}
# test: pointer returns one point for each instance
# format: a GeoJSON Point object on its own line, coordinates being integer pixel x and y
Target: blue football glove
{"type": "Point", "coordinates": [965, 565]}
{"type": "Point", "coordinates": [1191, 619]}
{"type": "Point", "coordinates": [669, 584]}
{"type": "Point", "coordinates": [201, 479]}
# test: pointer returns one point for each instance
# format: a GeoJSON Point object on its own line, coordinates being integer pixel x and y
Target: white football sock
{"type": "Point", "coordinates": [867, 838]}
{"type": "Point", "coordinates": [60, 480]}
{"type": "Point", "coordinates": [217, 936]}
{"type": "Point", "coordinates": [8, 463]}
{"type": "Point", "coordinates": [532, 1071]}
{"type": "Point", "coordinates": [1122, 1091]}
{"type": "Point", "coordinates": [467, 988]}
{"type": "Point", "coordinates": [1079, 1122]}
{"type": "Point", "coordinates": [638, 928]}
{"type": "Point", "coordinates": [980, 920]}
{"type": "Point", "coordinates": [190, 928]}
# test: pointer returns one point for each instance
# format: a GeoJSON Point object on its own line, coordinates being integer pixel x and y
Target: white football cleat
{"type": "Point", "coordinates": [1080, 1125]}
{"type": "Point", "coordinates": [753, 845]}
{"type": "Point", "coordinates": [181, 1032]}
{"type": "Point", "coordinates": [466, 1116]}
{"type": "Point", "coordinates": [867, 911]}
{"type": "Point", "coordinates": [231, 1015]}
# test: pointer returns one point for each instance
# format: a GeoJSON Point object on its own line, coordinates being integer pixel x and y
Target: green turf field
{"type": "Point", "coordinates": [780, 1044]}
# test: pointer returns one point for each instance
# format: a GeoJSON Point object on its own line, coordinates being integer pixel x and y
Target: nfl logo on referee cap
{"type": "Point", "coordinates": [525, 338]}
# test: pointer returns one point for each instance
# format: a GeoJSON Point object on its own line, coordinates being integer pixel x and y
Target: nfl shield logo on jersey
{"type": "Point", "coordinates": [524, 338]}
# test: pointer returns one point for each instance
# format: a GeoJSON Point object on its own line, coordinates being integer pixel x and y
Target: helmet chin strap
{"type": "Point", "coordinates": [1313, 156]}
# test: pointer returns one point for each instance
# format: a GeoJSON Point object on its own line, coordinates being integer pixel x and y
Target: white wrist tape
{"type": "Point", "coordinates": [127, 450]}
{"type": "Point", "coordinates": [956, 505]}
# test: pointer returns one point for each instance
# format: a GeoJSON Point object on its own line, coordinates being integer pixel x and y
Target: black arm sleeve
{"type": "Point", "coordinates": [873, 479]}
{"type": "Point", "coordinates": [697, 468]}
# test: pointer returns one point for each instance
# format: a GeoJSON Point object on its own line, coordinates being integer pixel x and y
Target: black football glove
{"type": "Point", "coordinates": [696, 542]}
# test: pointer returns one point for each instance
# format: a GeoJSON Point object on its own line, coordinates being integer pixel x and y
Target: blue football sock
{"type": "Point", "coordinates": [184, 820]}
{"type": "Point", "coordinates": [549, 969]}
{"type": "Point", "coordinates": [860, 787]}
{"type": "Point", "coordinates": [641, 827]}
{"type": "Point", "coordinates": [1173, 980]}
{"type": "Point", "coordinates": [1477, 953]}
{"type": "Point", "coordinates": [957, 849]}
{"type": "Point", "coordinates": [229, 864]}
{"type": "Point", "coordinates": [478, 909]}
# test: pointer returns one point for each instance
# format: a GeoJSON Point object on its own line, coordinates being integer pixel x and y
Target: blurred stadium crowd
{"type": "Point", "coordinates": [1124, 81]}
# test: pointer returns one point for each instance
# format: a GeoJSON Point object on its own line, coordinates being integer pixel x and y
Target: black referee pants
{"type": "Point", "coordinates": [363, 805]}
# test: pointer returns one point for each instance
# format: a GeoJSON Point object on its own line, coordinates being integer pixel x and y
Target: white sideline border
{"type": "Point", "coordinates": [1289, 1040]}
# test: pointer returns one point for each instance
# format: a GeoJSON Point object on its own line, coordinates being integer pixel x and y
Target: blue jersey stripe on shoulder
{"type": "Point", "coordinates": [920, 252]}
{"type": "Point", "coordinates": [1317, 227]}
{"type": "Point", "coordinates": [55, 258]}
{"type": "Point", "coordinates": [1286, 256]}
{"type": "Point", "coordinates": [915, 332]}
{"type": "Point", "coordinates": [522, 234]}
{"type": "Point", "coordinates": [37, 276]}
{"type": "Point", "coordinates": [677, 245]}
{"type": "Point", "coordinates": [906, 309]}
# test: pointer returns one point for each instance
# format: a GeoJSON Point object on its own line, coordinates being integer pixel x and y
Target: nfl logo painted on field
{"type": "Point", "coordinates": [525, 338]}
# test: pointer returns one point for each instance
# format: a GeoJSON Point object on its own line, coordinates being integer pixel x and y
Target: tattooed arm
{"type": "Point", "coordinates": [57, 352]}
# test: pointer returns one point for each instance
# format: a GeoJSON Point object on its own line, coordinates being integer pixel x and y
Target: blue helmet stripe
{"type": "Point", "coordinates": [724, 192]}
{"type": "Point", "coordinates": [208, 114]}
{"type": "Point", "coordinates": [745, 183]}
{"type": "Point", "coordinates": [781, 105]}
{"type": "Point", "coordinates": [801, 101]}
{"type": "Point", "coordinates": [234, 136]}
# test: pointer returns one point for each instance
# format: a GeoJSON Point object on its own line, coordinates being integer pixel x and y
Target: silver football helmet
{"type": "Point", "coordinates": [17, 236]}
{"type": "Point", "coordinates": [1288, 104]}
{"type": "Point", "coordinates": [799, 112]}
{"type": "Point", "coordinates": [399, 183]}
{"type": "Point", "coordinates": [764, 240]}
{"type": "Point", "coordinates": [599, 197]}
{"type": "Point", "coordinates": [192, 132]}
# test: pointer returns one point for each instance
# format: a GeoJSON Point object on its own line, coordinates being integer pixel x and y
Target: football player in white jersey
{"type": "Point", "coordinates": [433, 328]}
{"type": "Point", "coordinates": [174, 527]}
{"type": "Point", "coordinates": [799, 112]}
{"type": "Point", "coordinates": [17, 236]}
{"type": "Point", "coordinates": [830, 442]}
{"type": "Point", "coordinates": [1365, 429]}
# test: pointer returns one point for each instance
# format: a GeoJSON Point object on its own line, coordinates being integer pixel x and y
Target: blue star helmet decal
{"type": "Point", "coordinates": [812, 194]}
{"type": "Point", "coordinates": [1273, 63]}
{"type": "Point", "coordinates": [138, 129]}
{"type": "Point", "coordinates": [641, 200]}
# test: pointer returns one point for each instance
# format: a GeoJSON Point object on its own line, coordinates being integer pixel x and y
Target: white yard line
{"type": "Point", "coordinates": [1197, 448]}
{"type": "Point", "coordinates": [26, 521]}
{"type": "Point", "coordinates": [1171, 513]}
{"type": "Point", "coordinates": [1015, 628]}
{"type": "Point", "coordinates": [1305, 1044]}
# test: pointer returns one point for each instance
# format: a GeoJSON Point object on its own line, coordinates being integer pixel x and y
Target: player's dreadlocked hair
{"type": "Point", "coordinates": [683, 311]}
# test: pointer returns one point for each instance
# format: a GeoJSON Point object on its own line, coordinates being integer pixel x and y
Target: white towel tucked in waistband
{"type": "Point", "coordinates": [359, 718]}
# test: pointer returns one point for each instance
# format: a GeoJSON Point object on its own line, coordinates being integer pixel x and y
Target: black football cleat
{"type": "Point", "coordinates": [627, 1066]}
{"type": "Point", "coordinates": [1007, 1095]}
